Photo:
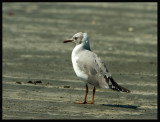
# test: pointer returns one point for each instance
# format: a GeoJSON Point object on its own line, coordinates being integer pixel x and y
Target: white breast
{"type": "Point", "coordinates": [76, 68]}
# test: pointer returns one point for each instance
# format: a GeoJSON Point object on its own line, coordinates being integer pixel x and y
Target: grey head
{"type": "Point", "coordinates": [80, 39]}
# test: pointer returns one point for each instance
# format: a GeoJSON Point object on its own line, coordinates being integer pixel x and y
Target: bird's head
{"type": "Point", "coordinates": [79, 39]}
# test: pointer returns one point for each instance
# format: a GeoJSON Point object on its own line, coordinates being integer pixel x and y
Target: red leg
{"type": "Point", "coordinates": [84, 101]}
{"type": "Point", "coordinates": [92, 101]}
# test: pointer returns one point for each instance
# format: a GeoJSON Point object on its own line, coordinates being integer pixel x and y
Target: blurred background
{"type": "Point", "coordinates": [33, 34]}
{"type": "Point", "coordinates": [122, 34]}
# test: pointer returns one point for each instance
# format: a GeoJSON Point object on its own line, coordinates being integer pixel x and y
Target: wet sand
{"type": "Point", "coordinates": [38, 81]}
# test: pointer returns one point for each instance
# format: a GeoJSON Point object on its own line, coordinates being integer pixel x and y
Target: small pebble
{"type": "Point", "coordinates": [38, 81]}
{"type": "Point", "coordinates": [66, 86]}
{"type": "Point", "coordinates": [10, 13]}
{"type": "Point", "coordinates": [18, 82]}
{"type": "Point", "coordinates": [130, 29]}
{"type": "Point", "coordinates": [29, 82]}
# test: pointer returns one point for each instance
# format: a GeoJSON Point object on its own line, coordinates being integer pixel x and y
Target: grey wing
{"type": "Point", "coordinates": [98, 74]}
{"type": "Point", "coordinates": [97, 71]}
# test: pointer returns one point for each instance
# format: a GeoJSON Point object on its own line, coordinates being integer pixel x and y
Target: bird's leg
{"type": "Point", "coordinates": [92, 101]}
{"type": "Point", "coordinates": [84, 101]}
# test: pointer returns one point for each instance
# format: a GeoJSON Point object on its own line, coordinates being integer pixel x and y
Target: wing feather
{"type": "Point", "coordinates": [95, 68]}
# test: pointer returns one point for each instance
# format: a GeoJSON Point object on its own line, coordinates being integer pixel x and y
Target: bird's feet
{"type": "Point", "coordinates": [84, 102]}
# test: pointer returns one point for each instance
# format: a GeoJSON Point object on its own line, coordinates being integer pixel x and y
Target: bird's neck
{"type": "Point", "coordinates": [85, 45]}
{"type": "Point", "coordinates": [80, 47]}
{"type": "Point", "coordinates": [77, 49]}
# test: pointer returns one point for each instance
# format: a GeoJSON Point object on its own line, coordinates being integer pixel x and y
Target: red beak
{"type": "Point", "coordinates": [66, 41]}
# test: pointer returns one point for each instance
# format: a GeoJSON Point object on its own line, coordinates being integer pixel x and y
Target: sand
{"type": "Point", "coordinates": [38, 81]}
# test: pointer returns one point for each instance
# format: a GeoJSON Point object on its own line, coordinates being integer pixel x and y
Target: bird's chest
{"type": "Point", "coordinates": [76, 66]}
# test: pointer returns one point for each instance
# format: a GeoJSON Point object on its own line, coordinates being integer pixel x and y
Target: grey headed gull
{"type": "Point", "coordinates": [90, 68]}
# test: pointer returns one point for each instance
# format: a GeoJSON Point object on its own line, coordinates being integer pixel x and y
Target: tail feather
{"type": "Point", "coordinates": [118, 87]}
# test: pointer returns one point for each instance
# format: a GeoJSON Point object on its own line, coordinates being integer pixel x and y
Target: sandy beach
{"type": "Point", "coordinates": [38, 80]}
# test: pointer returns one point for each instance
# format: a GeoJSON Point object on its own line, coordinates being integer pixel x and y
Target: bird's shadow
{"type": "Point", "coordinates": [121, 106]}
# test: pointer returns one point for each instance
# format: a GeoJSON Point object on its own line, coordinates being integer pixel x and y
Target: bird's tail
{"type": "Point", "coordinates": [117, 87]}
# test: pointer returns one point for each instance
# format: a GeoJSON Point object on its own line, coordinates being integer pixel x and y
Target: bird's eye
{"type": "Point", "coordinates": [75, 38]}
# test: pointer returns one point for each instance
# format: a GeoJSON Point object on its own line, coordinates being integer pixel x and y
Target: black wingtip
{"type": "Point", "coordinates": [118, 87]}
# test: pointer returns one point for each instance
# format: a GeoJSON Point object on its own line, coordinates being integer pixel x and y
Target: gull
{"type": "Point", "coordinates": [90, 68]}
